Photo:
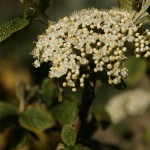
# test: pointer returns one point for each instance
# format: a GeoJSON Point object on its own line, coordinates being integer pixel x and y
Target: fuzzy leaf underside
{"type": "Point", "coordinates": [36, 119]}
{"type": "Point", "coordinates": [48, 91]}
{"type": "Point", "coordinates": [11, 27]}
{"type": "Point", "coordinates": [68, 135]}
{"type": "Point", "coordinates": [65, 113]}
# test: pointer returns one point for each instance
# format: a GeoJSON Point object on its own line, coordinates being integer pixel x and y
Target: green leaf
{"type": "Point", "coordinates": [48, 91]}
{"type": "Point", "coordinates": [65, 112]}
{"type": "Point", "coordinates": [126, 4]}
{"type": "Point", "coordinates": [121, 86]}
{"type": "Point", "coordinates": [33, 8]}
{"type": "Point", "coordinates": [36, 119]}
{"type": "Point", "coordinates": [68, 135]}
{"type": "Point", "coordinates": [137, 69]}
{"type": "Point", "coordinates": [8, 115]}
{"type": "Point", "coordinates": [130, 5]}
{"type": "Point", "coordinates": [7, 109]}
{"type": "Point", "coordinates": [29, 9]}
{"type": "Point", "coordinates": [9, 28]}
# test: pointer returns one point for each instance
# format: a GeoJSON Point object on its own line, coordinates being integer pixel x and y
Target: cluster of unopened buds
{"type": "Point", "coordinates": [90, 36]}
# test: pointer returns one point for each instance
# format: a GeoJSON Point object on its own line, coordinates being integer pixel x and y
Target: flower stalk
{"type": "Point", "coordinates": [87, 99]}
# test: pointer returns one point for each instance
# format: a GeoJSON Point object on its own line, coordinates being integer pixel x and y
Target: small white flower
{"type": "Point", "coordinates": [36, 63]}
{"type": "Point", "coordinates": [90, 36]}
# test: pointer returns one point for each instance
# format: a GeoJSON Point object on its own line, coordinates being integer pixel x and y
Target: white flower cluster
{"type": "Point", "coordinates": [89, 36]}
{"type": "Point", "coordinates": [131, 103]}
{"type": "Point", "coordinates": [142, 44]}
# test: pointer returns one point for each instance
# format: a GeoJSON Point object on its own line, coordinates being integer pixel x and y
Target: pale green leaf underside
{"type": "Point", "coordinates": [36, 119]}
{"type": "Point", "coordinates": [68, 135]}
{"type": "Point", "coordinates": [65, 113]}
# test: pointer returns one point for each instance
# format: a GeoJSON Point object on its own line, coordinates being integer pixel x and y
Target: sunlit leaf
{"type": "Point", "coordinates": [65, 112]}
{"type": "Point", "coordinates": [68, 135]}
{"type": "Point", "coordinates": [7, 29]}
{"type": "Point", "coordinates": [36, 119]}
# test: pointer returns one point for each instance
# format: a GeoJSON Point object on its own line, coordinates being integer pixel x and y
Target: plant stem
{"type": "Point", "coordinates": [87, 99]}
{"type": "Point", "coordinates": [20, 91]}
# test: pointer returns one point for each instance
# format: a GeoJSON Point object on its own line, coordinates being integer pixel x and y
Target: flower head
{"type": "Point", "coordinates": [130, 103]}
{"type": "Point", "coordinates": [90, 36]}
